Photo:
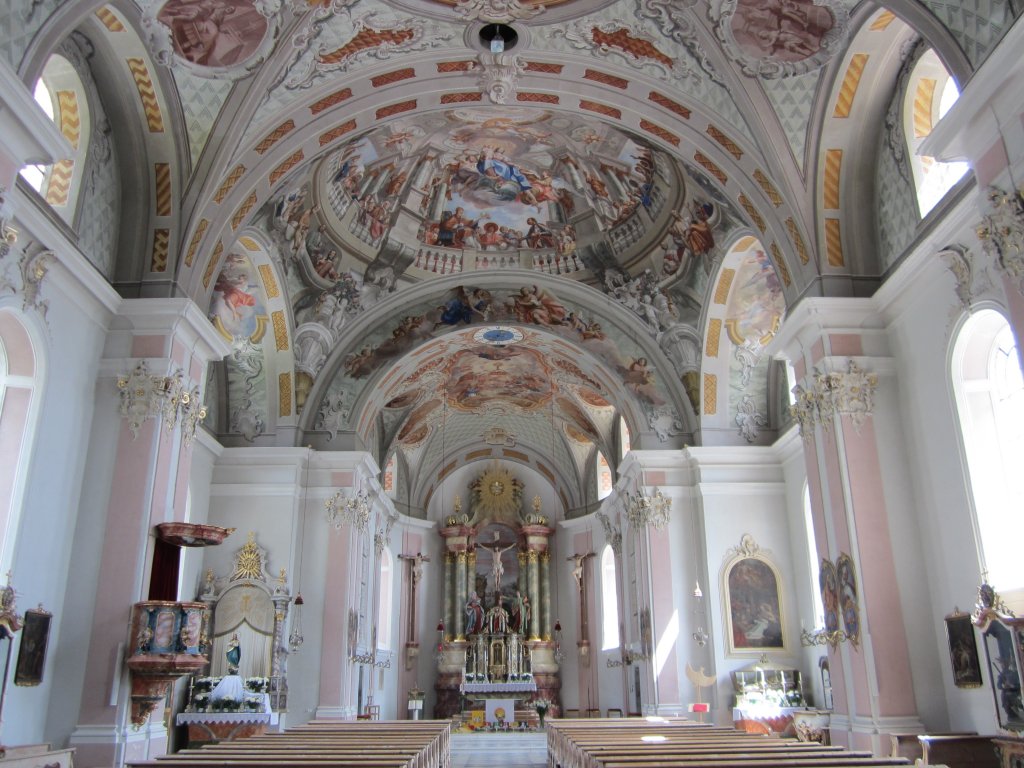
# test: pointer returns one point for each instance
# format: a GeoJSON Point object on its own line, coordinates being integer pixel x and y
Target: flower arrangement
{"type": "Point", "coordinates": [257, 684]}
{"type": "Point", "coordinates": [542, 706]}
{"type": "Point", "coordinates": [252, 699]}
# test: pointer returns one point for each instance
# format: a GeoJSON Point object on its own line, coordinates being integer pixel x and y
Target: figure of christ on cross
{"type": "Point", "coordinates": [497, 568]}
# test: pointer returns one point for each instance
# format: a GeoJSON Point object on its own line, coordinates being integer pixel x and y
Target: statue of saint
{"type": "Point", "coordinates": [233, 654]}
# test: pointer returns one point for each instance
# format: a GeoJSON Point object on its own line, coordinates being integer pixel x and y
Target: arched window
{"type": "Point", "coordinates": [625, 442]}
{"type": "Point", "coordinates": [36, 175]}
{"type": "Point", "coordinates": [814, 558]}
{"type": "Point", "coordinates": [609, 601]}
{"type": "Point", "coordinates": [989, 390]}
{"type": "Point", "coordinates": [604, 476]}
{"type": "Point", "coordinates": [386, 584]}
{"type": "Point", "coordinates": [18, 408]}
{"type": "Point", "coordinates": [930, 94]}
{"type": "Point", "coordinates": [61, 95]}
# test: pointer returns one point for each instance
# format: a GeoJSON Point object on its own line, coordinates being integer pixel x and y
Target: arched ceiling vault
{"type": "Point", "coordinates": [354, 187]}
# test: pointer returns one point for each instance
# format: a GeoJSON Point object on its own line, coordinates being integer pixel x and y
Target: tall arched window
{"type": "Point", "coordinates": [609, 601]}
{"type": "Point", "coordinates": [814, 558]}
{"type": "Point", "coordinates": [604, 476]}
{"type": "Point", "coordinates": [386, 584]}
{"type": "Point", "coordinates": [18, 409]}
{"type": "Point", "coordinates": [61, 95]}
{"type": "Point", "coordinates": [625, 442]}
{"type": "Point", "coordinates": [989, 391]}
{"type": "Point", "coordinates": [930, 94]}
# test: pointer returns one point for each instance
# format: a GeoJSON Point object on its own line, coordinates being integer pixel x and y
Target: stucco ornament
{"type": "Point", "coordinates": [145, 396]}
{"type": "Point", "coordinates": [1001, 233]}
{"type": "Point", "coordinates": [780, 39]}
{"type": "Point", "coordinates": [496, 11]}
{"type": "Point", "coordinates": [749, 420]}
{"type": "Point", "coordinates": [374, 36]}
{"type": "Point", "coordinates": [499, 75]}
{"type": "Point", "coordinates": [242, 53]}
{"type": "Point", "coordinates": [835, 393]}
{"type": "Point", "coordinates": [31, 270]}
{"type": "Point", "coordinates": [612, 533]}
{"type": "Point", "coordinates": [630, 44]}
{"type": "Point", "coordinates": [333, 414]}
{"type": "Point", "coordinates": [676, 21]}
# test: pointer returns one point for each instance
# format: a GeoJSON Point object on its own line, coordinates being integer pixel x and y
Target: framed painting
{"type": "Point", "coordinates": [753, 600]}
{"type": "Point", "coordinates": [32, 652]}
{"type": "Point", "coordinates": [846, 576]}
{"type": "Point", "coordinates": [963, 650]}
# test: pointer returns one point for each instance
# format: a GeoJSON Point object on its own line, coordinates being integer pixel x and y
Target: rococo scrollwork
{"type": "Point", "coordinates": [145, 395]}
{"type": "Point", "coordinates": [1001, 233]}
{"type": "Point", "coordinates": [832, 394]}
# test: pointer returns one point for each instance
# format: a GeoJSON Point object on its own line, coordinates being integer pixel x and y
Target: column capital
{"type": "Point", "coordinates": [835, 393]}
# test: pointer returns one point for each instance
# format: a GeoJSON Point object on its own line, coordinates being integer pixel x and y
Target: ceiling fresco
{"type": "Point", "coordinates": [359, 192]}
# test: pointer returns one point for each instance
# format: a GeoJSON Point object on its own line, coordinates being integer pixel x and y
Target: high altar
{"type": "Point", "coordinates": [497, 626]}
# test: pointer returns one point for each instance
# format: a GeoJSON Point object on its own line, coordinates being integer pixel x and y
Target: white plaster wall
{"type": "Point", "coordinates": [60, 533]}
{"type": "Point", "coordinates": [748, 497]}
{"type": "Point", "coordinates": [940, 521]}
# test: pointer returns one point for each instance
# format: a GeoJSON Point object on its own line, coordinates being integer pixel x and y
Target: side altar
{"type": "Point", "coordinates": [497, 625]}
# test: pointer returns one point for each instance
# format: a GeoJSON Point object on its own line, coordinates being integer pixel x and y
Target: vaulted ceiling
{"type": "Point", "coordinates": [428, 249]}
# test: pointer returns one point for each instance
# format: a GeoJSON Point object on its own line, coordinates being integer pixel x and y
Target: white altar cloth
{"type": "Point", "coordinates": [528, 685]}
{"type": "Point", "coordinates": [184, 718]}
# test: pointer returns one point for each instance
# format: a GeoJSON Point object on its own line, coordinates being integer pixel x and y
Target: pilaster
{"type": "Point", "coordinates": [150, 385]}
{"type": "Point", "coordinates": [848, 415]}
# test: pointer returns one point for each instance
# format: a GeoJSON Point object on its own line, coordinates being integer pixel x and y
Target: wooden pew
{"type": "Point", "coordinates": [677, 743]}
{"type": "Point", "coordinates": [363, 744]}
{"type": "Point", "coordinates": [959, 751]}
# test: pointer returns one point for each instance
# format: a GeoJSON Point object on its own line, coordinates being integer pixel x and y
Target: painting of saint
{"type": "Point", "coordinates": [754, 606]}
{"type": "Point", "coordinates": [213, 33]}
{"type": "Point", "coordinates": [829, 594]}
{"type": "Point", "coordinates": [963, 651]}
{"type": "Point", "coordinates": [846, 577]}
{"type": "Point", "coordinates": [788, 30]}
{"type": "Point", "coordinates": [237, 308]}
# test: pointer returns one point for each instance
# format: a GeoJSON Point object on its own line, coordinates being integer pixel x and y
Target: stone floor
{"type": "Point", "coordinates": [499, 750]}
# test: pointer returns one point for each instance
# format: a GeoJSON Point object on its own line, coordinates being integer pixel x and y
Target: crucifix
{"type": "Point", "coordinates": [579, 574]}
{"type": "Point", "coordinates": [415, 574]}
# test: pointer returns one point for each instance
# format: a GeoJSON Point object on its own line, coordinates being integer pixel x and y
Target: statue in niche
{"type": "Point", "coordinates": [521, 610]}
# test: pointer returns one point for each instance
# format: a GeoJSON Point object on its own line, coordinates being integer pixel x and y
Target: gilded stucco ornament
{"type": "Point", "coordinates": [1001, 233]}
{"type": "Point", "coordinates": [145, 396]}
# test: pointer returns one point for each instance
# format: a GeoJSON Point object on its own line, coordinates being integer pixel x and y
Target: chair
{"type": "Point", "coordinates": [373, 711]}
{"type": "Point", "coordinates": [594, 712]}
{"type": "Point", "coordinates": [616, 712]}
{"type": "Point", "coordinates": [571, 714]}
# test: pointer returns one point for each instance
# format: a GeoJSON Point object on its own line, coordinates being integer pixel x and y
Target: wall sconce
{"type": "Point", "coordinates": [628, 657]}
{"type": "Point", "coordinates": [295, 638]}
{"type": "Point", "coordinates": [559, 653]}
{"type": "Point", "coordinates": [644, 510]}
{"type": "Point", "coordinates": [824, 637]}
{"type": "Point", "coordinates": [439, 656]}
{"type": "Point", "coordinates": [342, 509]}
{"type": "Point", "coordinates": [701, 635]}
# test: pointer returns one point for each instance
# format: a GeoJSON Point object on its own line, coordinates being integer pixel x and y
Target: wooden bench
{"type": "Point", "coordinates": [678, 743]}
{"type": "Point", "coordinates": [961, 751]}
{"type": "Point", "coordinates": [374, 744]}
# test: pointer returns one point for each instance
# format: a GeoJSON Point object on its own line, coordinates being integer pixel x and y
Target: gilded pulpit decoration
{"type": "Point", "coordinates": [1001, 233]}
